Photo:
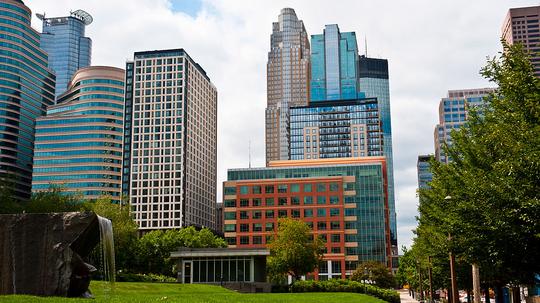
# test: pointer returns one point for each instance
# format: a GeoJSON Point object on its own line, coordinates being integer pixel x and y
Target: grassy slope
{"type": "Point", "coordinates": [155, 292]}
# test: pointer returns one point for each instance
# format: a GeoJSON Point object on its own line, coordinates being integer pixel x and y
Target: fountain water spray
{"type": "Point", "coordinates": [107, 249]}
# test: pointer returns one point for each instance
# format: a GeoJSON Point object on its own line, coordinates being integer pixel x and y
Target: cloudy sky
{"type": "Point", "coordinates": [432, 46]}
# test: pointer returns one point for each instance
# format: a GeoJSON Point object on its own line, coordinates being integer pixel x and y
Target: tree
{"type": "Point", "coordinates": [124, 229]}
{"type": "Point", "coordinates": [494, 180]}
{"type": "Point", "coordinates": [293, 251]}
{"type": "Point", "coordinates": [154, 248]}
{"type": "Point", "coordinates": [54, 199]}
{"type": "Point", "coordinates": [376, 272]}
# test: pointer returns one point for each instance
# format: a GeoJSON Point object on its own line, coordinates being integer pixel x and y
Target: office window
{"type": "Point", "coordinates": [282, 188]}
{"type": "Point", "coordinates": [244, 227]}
{"type": "Point", "coordinates": [334, 186]}
{"type": "Point", "coordinates": [295, 200]}
{"type": "Point", "coordinates": [257, 240]}
{"type": "Point", "coordinates": [244, 202]}
{"type": "Point", "coordinates": [257, 227]}
{"type": "Point", "coordinates": [257, 214]}
{"type": "Point", "coordinates": [269, 201]}
{"type": "Point", "coordinates": [244, 190]}
{"type": "Point", "coordinates": [244, 215]}
{"type": "Point", "coordinates": [269, 227]}
{"type": "Point", "coordinates": [244, 240]}
{"type": "Point", "coordinates": [295, 188]}
{"type": "Point", "coordinates": [321, 226]}
{"type": "Point", "coordinates": [335, 225]}
{"type": "Point", "coordinates": [282, 213]}
{"type": "Point", "coordinates": [307, 188]}
{"type": "Point", "coordinates": [230, 215]}
{"type": "Point", "coordinates": [308, 200]}
{"type": "Point", "coordinates": [269, 189]}
{"type": "Point", "coordinates": [229, 228]}
{"type": "Point", "coordinates": [295, 213]}
{"type": "Point", "coordinates": [336, 238]}
{"type": "Point", "coordinates": [282, 201]}
{"type": "Point", "coordinates": [321, 187]}
{"type": "Point", "coordinates": [308, 213]}
{"type": "Point", "coordinates": [334, 200]}
{"type": "Point", "coordinates": [321, 200]}
{"type": "Point", "coordinates": [256, 202]}
{"type": "Point", "coordinates": [334, 212]}
{"type": "Point", "coordinates": [321, 212]}
{"type": "Point", "coordinates": [269, 214]}
{"type": "Point", "coordinates": [256, 189]}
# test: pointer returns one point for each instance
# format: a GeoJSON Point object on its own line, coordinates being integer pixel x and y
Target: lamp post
{"type": "Point", "coordinates": [364, 280]}
{"type": "Point", "coordinates": [430, 281]}
{"type": "Point", "coordinates": [453, 282]}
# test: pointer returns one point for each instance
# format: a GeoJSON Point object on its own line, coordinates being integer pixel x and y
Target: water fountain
{"type": "Point", "coordinates": [42, 254]}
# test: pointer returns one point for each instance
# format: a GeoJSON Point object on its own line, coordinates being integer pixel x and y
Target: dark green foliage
{"type": "Point", "coordinates": [152, 250]}
{"type": "Point", "coordinates": [336, 285]}
{"type": "Point", "coordinates": [376, 272]}
{"type": "Point", "coordinates": [130, 277]}
{"type": "Point", "coordinates": [494, 183]}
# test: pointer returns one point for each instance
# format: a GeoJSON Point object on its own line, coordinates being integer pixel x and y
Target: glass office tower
{"type": "Point", "coordinates": [287, 80]}
{"type": "Point", "coordinates": [79, 142]}
{"type": "Point", "coordinates": [170, 141]}
{"type": "Point", "coordinates": [336, 129]}
{"type": "Point", "coordinates": [69, 50]}
{"type": "Point", "coordinates": [27, 88]}
{"type": "Point", "coordinates": [453, 113]}
{"type": "Point", "coordinates": [373, 81]}
{"type": "Point", "coordinates": [424, 174]}
{"type": "Point", "coordinates": [334, 65]}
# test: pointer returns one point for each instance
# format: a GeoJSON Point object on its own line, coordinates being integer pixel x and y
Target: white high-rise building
{"type": "Point", "coordinates": [170, 141]}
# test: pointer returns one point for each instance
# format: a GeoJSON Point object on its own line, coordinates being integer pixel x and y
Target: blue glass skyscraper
{"type": "Point", "coordinates": [27, 88]}
{"type": "Point", "coordinates": [334, 65]}
{"type": "Point", "coordinates": [69, 50]}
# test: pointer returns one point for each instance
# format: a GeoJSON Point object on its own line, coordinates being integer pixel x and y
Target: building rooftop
{"type": "Point", "coordinates": [220, 252]}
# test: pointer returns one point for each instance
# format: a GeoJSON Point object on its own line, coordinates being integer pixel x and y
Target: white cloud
{"type": "Point", "coordinates": [431, 47]}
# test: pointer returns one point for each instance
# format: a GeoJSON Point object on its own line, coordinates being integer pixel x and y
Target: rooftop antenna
{"type": "Point", "coordinates": [249, 151]}
{"type": "Point", "coordinates": [365, 44]}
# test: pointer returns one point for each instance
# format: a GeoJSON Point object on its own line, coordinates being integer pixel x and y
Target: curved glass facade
{"type": "Point", "coordinates": [79, 143]}
{"type": "Point", "coordinates": [26, 89]}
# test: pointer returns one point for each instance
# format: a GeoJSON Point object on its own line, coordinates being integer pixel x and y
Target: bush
{"type": "Point", "coordinates": [131, 277]}
{"type": "Point", "coordinates": [336, 285]}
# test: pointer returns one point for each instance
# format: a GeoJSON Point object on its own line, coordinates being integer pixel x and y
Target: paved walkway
{"type": "Point", "coordinates": [405, 298]}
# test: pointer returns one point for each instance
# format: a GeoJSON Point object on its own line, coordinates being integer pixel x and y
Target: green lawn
{"type": "Point", "coordinates": [159, 292]}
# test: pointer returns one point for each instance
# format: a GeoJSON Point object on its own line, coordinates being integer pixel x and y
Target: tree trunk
{"type": "Point", "coordinates": [516, 298]}
{"type": "Point", "coordinates": [499, 296]}
{"type": "Point", "coordinates": [476, 283]}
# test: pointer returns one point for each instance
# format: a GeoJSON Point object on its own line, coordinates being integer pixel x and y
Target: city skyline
{"type": "Point", "coordinates": [424, 65]}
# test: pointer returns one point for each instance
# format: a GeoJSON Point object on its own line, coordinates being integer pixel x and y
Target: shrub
{"type": "Point", "coordinates": [131, 277]}
{"type": "Point", "coordinates": [336, 285]}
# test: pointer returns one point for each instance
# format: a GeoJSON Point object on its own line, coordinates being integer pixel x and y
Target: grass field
{"type": "Point", "coordinates": [159, 292]}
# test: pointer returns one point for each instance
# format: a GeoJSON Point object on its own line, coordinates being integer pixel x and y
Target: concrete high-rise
{"type": "Point", "coordinates": [27, 89]}
{"type": "Point", "coordinates": [522, 25]}
{"type": "Point", "coordinates": [334, 65]}
{"type": "Point", "coordinates": [170, 141]}
{"type": "Point", "coordinates": [69, 50]}
{"type": "Point", "coordinates": [288, 76]}
{"type": "Point", "coordinates": [79, 142]}
{"type": "Point", "coordinates": [453, 113]}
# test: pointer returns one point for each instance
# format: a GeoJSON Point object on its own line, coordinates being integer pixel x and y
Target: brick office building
{"type": "Point", "coordinates": [344, 201]}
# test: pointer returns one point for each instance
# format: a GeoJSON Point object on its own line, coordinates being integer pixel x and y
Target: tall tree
{"type": "Point", "coordinates": [493, 184]}
{"type": "Point", "coordinates": [293, 250]}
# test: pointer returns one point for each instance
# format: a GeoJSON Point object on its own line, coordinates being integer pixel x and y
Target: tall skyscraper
{"type": "Point", "coordinates": [27, 89]}
{"type": "Point", "coordinates": [334, 65]}
{"type": "Point", "coordinates": [522, 25]}
{"type": "Point", "coordinates": [336, 129]}
{"type": "Point", "coordinates": [453, 113]}
{"type": "Point", "coordinates": [373, 80]}
{"type": "Point", "coordinates": [343, 200]}
{"type": "Point", "coordinates": [287, 81]}
{"type": "Point", "coordinates": [69, 50]}
{"type": "Point", "coordinates": [79, 142]}
{"type": "Point", "coordinates": [170, 141]}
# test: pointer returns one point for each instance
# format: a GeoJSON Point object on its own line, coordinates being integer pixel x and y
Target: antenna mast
{"type": "Point", "coordinates": [365, 44]}
{"type": "Point", "coordinates": [249, 151]}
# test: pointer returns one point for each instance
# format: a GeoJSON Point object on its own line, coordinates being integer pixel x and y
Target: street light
{"type": "Point", "coordinates": [453, 282]}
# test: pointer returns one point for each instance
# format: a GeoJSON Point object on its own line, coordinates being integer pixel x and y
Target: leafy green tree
{"type": "Point", "coordinates": [492, 216]}
{"type": "Point", "coordinates": [293, 251]}
{"type": "Point", "coordinates": [54, 199]}
{"type": "Point", "coordinates": [124, 229]}
{"type": "Point", "coordinates": [376, 272]}
{"type": "Point", "coordinates": [8, 203]}
{"type": "Point", "coordinates": [154, 248]}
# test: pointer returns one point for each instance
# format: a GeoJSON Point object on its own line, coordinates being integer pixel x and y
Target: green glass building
{"type": "Point", "coordinates": [26, 89]}
{"type": "Point", "coordinates": [370, 196]}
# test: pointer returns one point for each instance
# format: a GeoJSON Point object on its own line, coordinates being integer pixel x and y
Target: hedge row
{"type": "Point", "coordinates": [131, 277]}
{"type": "Point", "coordinates": [335, 285]}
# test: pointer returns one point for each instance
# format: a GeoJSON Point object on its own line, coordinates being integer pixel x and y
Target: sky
{"type": "Point", "coordinates": [431, 46]}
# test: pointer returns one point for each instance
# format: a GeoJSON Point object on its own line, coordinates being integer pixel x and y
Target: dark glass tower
{"type": "Point", "coordinates": [27, 88]}
{"type": "Point", "coordinates": [69, 50]}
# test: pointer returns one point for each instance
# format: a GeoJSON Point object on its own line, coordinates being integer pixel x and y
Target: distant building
{"type": "Point", "coordinates": [453, 113]}
{"type": "Point", "coordinates": [334, 65]}
{"type": "Point", "coordinates": [343, 200]}
{"type": "Point", "coordinates": [521, 25]}
{"type": "Point", "coordinates": [287, 80]}
{"type": "Point", "coordinates": [27, 89]}
{"type": "Point", "coordinates": [69, 50]}
{"type": "Point", "coordinates": [424, 174]}
{"type": "Point", "coordinates": [170, 141]}
{"type": "Point", "coordinates": [79, 142]}
{"type": "Point", "coordinates": [336, 129]}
